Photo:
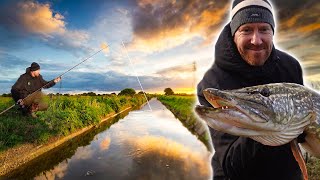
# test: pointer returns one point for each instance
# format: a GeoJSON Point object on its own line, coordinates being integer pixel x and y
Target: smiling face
{"type": "Point", "coordinates": [254, 42]}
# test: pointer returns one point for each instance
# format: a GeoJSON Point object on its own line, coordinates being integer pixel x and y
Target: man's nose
{"type": "Point", "coordinates": [256, 38]}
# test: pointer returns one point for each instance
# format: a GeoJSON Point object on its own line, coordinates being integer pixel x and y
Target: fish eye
{"type": "Point", "coordinates": [265, 92]}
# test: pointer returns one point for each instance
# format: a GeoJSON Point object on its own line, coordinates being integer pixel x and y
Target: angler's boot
{"type": "Point", "coordinates": [25, 111]}
{"type": "Point", "coordinates": [34, 108]}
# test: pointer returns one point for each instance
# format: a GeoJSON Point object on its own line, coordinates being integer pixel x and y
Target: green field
{"type": "Point", "coordinates": [182, 107]}
{"type": "Point", "coordinates": [65, 115]}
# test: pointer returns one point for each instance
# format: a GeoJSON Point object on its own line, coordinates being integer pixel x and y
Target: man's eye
{"type": "Point", "coordinates": [264, 30]}
{"type": "Point", "coordinates": [246, 31]}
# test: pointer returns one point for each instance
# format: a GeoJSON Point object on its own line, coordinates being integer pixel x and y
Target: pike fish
{"type": "Point", "coordinates": [272, 114]}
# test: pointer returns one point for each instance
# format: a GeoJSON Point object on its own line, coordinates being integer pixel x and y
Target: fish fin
{"type": "Point", "coordinates": [299, 158]}
{"type": "Point", "coordinates": [312, 144]}
{"type": "Point", "coordinates": [274, 140]}
{"type": "Point", "coordinates": [312, 138]}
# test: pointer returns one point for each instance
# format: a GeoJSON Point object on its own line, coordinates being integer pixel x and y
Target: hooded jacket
{"type": "Point", "coordinates": [26, 84]}
{"type": "Point", "coordinates": [239, 157]}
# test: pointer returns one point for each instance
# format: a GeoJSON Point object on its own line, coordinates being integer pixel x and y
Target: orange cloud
{"type": "Point", "coordinates": [181, 71]}
{"type": "Point", "coordinates": [39, 18]}
{"type": "Point", "coordinates": [302, 21]}
{"type": "Point", "coordinates": [210, 18]}
{"type": "Point", "coordinates": [170, 154]}
{"type": "Point", "coordinates": [161, 25]}
{"type": "Point", "coordinates": [309, 28]}
{"type": "Point", "coordinates": [166, 39]}
{"type": "Point", "coordinates": [292, 21]}
{"type": "Point", "coordinates": [143, 3]}
{"type": "Point", "coordinates": [104, 145]}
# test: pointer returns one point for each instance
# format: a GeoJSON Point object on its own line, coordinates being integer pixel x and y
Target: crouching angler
{"type": "Point", "coordinates": [26, 92]}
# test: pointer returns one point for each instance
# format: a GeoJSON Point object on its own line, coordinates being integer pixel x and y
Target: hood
{"type": "Point", "coordinates": [228, 58]}
{"type": "Point", "coordinates": [28, 70]}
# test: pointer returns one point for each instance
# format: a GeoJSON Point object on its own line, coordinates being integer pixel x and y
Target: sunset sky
{"type": "Point", "coordinates": [163, 38]}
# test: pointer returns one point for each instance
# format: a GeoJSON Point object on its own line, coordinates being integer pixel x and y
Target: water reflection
{"type": "Point", "coordinates": [144, 145]}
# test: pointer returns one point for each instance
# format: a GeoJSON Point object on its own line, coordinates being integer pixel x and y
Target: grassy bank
{"type": "Point", "coordinates": [64, 116]}
{"type": "Point", "coordinates": [182, 108]}
{"type": "Point", "coordinates": [313, 166]}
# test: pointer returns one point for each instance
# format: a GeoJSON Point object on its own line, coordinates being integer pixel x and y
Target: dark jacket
{"type": "Point", "coordinates": [26, 84]}
{"type": "Point", "coordinates": [239, 157]}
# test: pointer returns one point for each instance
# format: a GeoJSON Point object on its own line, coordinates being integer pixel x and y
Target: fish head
{"type": "Point", "coordinates": [278, 102]}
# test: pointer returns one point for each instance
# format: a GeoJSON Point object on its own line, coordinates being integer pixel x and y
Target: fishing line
{"type": "Point", "coordinates": [104, 47]}
{"type": "Point", "coordinates": [136, 74]}
{"type": "Point", "coordinates": [55, 103]}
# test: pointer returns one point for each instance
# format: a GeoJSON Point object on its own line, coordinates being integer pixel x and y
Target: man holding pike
{"type": "Point", "coordinates": [27, 90]}
{"type": "Point", "coordinates": [245, 56]}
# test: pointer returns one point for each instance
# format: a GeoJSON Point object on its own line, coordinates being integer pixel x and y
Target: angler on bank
{"type": "Point", "coordinates": [26, 92]}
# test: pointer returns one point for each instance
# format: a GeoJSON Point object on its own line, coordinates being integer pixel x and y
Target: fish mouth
{"type": "Point", "coordinates": [218, 99]}
{"type": "Point", "coordinates": [231, 121]}
{"type": "Point", "coordinates": [229, 112]}
{"type": "Point", "coordinates": [225, 100]}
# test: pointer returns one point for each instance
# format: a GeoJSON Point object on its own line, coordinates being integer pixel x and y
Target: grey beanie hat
{"type": "Point", "coordinates": [250, 11]}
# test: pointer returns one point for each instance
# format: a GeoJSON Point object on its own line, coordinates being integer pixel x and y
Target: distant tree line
{"type": "Point", "coordinates": [6, 95]}
{"type": "Point", "coordinates": [126, 91]}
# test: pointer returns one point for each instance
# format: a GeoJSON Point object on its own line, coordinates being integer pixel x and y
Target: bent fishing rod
{"type": "Point", "coordinates": [104, 47]}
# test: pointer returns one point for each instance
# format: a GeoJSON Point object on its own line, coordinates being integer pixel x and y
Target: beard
{"type": "Point", "coordinates": [255, 55]}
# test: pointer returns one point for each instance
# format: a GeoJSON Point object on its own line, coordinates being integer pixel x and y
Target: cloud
{"type": "Point", "coordinates": [165, 153]}
{"type": "Point", "coordinates": [296, 19]}
{"type": "Point", "coordinates": [299, 32]}
{"type": "Point", "coordinates": [8, 61]}
{"type": "Point", "coordinates": [57, 173]}
{"type": "Point", "coordinates": [181, 71]}
{"type": "Point", "coordinates": [104, 144]}
{"type": "Point", "coordinates": [30, 19]}
{"type": "Point", "coordinates": [161, 25]}
{"type": "Point", "coordinates": [13, 66]}
{"type": "Point", "coordinates": [113, 81]}
{"type": "Point", "coordinates": [109, 81]}
{"type": "Point", "coordinates": [84, 153]}
{"type": "Point", "coordinates": [72, 40]}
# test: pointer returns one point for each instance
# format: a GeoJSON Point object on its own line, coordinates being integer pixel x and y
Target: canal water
{"type": "Point", "coordinates": [145, 144]}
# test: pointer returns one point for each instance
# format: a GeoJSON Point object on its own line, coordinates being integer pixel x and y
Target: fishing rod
{"type": "Point", "coordinates": [104, 47]}
{"type": "Point", "coordinates": [136, 75]}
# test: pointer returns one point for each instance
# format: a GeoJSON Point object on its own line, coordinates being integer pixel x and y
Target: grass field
{"type": "Point", "coordinates": [64, 116]}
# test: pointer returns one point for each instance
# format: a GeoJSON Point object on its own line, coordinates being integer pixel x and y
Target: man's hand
{"type": "Point", "coordinates": [20, 103]}
{"type": "Point", "coordinates": [56, 80]}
